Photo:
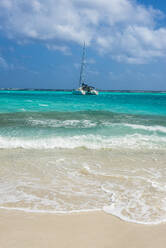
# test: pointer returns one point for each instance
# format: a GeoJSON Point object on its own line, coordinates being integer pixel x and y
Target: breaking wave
{"type": "Point", "coordinates": [135, 141]}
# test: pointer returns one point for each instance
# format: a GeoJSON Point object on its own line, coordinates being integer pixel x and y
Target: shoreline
{"type": "Point", "coordinates": [93, 229]}
{"type": "Point", "coordinates": [79, 212]}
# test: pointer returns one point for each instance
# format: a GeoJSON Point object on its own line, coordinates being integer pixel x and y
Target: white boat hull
{"type": "Point", "coordinates": [79, 91]}
{"type": "Point", "coordinates": [83, 92]}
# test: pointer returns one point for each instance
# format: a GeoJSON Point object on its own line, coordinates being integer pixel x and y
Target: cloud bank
{"type": "Point", "coordinates": [124, 29]}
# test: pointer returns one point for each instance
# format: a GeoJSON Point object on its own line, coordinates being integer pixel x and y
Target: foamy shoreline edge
{"type": "Point", "coordinates": [105, 210]}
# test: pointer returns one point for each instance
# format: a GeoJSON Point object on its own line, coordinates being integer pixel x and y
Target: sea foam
{"type": "Point", "coordinates": [135, 141]}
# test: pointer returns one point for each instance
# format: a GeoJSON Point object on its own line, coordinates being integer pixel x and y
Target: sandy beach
{"type": "Point", "coordinates": [94, 229]}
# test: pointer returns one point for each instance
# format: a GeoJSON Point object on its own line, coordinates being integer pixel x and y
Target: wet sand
{"type": "Point", "coordinates": [94, 229]}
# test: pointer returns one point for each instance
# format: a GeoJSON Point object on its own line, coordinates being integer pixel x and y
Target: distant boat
{"type": "Point", "coordinates": [84, 88]}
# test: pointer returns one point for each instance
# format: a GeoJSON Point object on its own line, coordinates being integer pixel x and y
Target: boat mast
{"type": "Point", "coordinates": [82, 79]}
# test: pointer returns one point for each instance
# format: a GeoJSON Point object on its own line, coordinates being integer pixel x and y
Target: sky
{"type": "Point", "coordinates": [41, 43]}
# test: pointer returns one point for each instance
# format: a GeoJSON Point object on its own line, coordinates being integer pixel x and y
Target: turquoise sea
{"type": "Point", "coordinates": [63, 153]}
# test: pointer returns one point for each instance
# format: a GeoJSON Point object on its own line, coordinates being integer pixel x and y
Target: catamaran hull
{"type": "Point", "coordinates": [93, 92]}
{"type": "Point", "coordinates": [78, 92]}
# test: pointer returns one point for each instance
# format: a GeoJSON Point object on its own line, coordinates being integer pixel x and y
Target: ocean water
{"type": "Point", "coordinates": [62, 153]}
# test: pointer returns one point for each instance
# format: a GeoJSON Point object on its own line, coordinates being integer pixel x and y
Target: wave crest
{"type": "Point", "coordinates": [136, 141]}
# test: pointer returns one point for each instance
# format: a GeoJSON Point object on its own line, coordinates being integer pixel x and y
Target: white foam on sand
{"type": "Point", "coordinates": [135, 141]}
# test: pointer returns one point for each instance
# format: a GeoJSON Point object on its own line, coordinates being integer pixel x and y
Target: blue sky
{"type": "Point", "coordinates": [41, 43]}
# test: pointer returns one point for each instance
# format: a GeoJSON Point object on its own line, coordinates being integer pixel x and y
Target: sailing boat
{"type": "Point", "coordinates": [84, 89]}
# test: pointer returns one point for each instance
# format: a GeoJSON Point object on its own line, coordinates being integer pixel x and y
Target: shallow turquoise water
{"type": "Point", "coordinates": [141, 103]}
{"type": "Point", "coordinates": [103, 121]}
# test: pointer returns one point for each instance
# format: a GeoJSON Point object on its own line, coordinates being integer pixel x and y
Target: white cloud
{"type": "Point", "coordinates": [63, 49]}
{"type": "Point", "coordinates": [90, 61]}
{"type": "Point", "coordinates": [3, 63]}
{"type": "Point", "coordinates": [94, 72]}
{"type": "Point", "coordinates": [122, 28]}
